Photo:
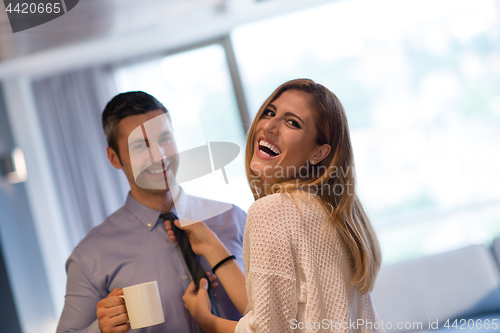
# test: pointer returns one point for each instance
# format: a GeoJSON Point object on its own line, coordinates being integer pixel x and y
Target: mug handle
{"type": "Point", "coordinates": [128, 322]}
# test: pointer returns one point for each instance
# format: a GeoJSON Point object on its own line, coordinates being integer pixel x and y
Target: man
{"type": "Point", "coordinates": [132, 246]}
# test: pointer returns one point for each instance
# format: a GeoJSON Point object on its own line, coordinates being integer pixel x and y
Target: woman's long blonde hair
{"type": "Point", "coordinates": [344, 208]}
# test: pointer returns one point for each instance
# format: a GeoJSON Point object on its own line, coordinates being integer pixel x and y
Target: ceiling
{"type": "Point", "coordinates": [92, 19]}
{"type": "Point", "coordinates": [97, 32]}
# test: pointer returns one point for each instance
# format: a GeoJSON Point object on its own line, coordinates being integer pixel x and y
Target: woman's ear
{"type": "Point", "coordinates": [320, 153]}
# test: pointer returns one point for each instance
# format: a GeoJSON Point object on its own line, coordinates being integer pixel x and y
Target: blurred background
{"type": "Point", "coordinates": [419, 80]}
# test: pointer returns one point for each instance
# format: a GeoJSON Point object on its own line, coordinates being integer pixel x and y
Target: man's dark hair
{"type": "Point", "coordinates": [123, 105]}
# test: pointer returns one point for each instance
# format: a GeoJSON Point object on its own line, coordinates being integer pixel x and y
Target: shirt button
{"type": "Point", "coordinates": [150, 224]}
{"type": "Point", "coordinates": [186, 277]}
{"type": "Point", "coordinates": [176, 244]}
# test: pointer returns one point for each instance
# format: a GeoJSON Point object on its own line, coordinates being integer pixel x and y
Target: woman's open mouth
{"type": "Point", "coordinates": [268, 149]}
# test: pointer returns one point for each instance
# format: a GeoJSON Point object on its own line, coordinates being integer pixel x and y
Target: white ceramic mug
{"type": "Point", "coordinates": [143, 305]}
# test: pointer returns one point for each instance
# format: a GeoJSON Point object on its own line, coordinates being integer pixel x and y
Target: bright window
{"type": "Point", "coordinates": [195, 87]}
{"type": "Point", "coordinates": [420, 82]}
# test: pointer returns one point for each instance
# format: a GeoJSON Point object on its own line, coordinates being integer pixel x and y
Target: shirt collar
{"type": "Point", "coordinates": [148, 216]}
{"type": "Point", "coordinates": [180, 201]}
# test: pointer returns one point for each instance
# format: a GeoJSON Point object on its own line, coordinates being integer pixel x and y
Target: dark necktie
{"type": "Point", "coordinates": [196, 270]}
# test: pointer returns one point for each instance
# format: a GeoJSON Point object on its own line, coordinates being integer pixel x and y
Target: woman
{"type": "Point", "coordinates": [310, 253]}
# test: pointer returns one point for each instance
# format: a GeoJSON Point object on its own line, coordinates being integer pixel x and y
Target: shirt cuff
{"type": "Point", "coordinates": [240, 327]}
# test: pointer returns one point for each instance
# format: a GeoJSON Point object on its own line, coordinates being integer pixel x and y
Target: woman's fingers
{"type": "Point", "coordinates": [203, 284]}
{"type": "Point", "coordinates": [177, 223]}
{"type": "Point", "coordinates": [212, 278]}
{"type": "Point", "coordinates": [168, 225]}
{"type": "Point", "coordinates": [197, 302]}
{"type": "Point", "coordinates": [198, 234]}
{"type": "Point", "coordinates": [190, 291]}
{"type": "Point", "coordinates": [170, 232]}
{"type": "Point", "coordinates": [202, 292]}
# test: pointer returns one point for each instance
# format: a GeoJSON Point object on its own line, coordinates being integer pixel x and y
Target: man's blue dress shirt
{"type": "Point", "coordinates": [132, 246]}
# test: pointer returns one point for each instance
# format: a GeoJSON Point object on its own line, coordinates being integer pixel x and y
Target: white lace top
{"type": "Point", "coordinates": [298, 272]}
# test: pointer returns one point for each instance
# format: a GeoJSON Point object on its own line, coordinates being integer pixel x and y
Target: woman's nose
{"type": "Point", "coordinates": [271, 126]}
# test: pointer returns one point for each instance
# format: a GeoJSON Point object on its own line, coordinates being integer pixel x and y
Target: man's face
{"type": "Point", "coordinates": [148, 151]}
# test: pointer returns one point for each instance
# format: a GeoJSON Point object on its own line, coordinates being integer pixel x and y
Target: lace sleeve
{"type": "Point", "coordinates": [271, 278]}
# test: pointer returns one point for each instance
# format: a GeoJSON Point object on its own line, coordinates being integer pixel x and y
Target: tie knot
{"type": "Point", "coordinates": [169, 216]}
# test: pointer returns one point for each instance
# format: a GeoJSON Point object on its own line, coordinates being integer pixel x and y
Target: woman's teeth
{"type": "Point", "coordinates": [270, 146]}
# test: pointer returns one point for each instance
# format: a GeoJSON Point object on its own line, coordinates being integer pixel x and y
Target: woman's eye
{"type": "Point", "coordinates": [293, 123]}
{"type": "Point", "coordinates": [269, 113]}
